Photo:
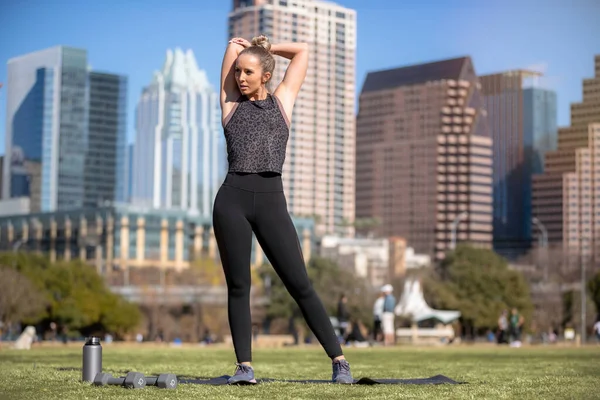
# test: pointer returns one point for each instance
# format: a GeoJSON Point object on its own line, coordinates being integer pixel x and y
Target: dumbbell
{"type": "Point", "coordinates": [163, 381]}
{"type": "Point", "coordinates": [132, 380]}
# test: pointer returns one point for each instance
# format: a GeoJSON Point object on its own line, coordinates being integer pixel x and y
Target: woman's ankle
{"type": "Point", "coordinates": [338, 358]}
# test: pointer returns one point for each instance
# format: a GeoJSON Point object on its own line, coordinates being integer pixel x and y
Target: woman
{"type": "Point", "coordinates": [256, 125]}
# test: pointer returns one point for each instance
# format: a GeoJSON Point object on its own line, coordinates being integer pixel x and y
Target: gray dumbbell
{"type": "Point", "coordinates": [163, 381]}
{"type": "Point", "coordinates": [133, 380]}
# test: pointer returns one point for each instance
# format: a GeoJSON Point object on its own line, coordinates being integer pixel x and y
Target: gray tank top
{"type": "Point", "coordinates": [256, 133]}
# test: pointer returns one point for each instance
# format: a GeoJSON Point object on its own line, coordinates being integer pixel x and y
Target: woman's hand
{"type": "Point", "coordinates": [241, 41]}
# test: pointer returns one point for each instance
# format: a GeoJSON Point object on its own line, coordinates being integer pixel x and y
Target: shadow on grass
{"type": "Point", "coordinates": [126, 371]}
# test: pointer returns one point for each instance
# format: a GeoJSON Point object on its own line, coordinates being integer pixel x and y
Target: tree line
{"type": "Point", "coordinates": [476, 282]}
{"type": "Point", "coordinates": [67, 294]}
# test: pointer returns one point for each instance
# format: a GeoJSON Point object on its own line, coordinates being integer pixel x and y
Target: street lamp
{"type": "Point", "coordinates": [15, 247]}
{"type": "Point", "coordinates": [583, 261]}
{"type": "Point", "coordinates": [460, 216]}
{"type": "Point", "coordinates": [543, 243]}
{"type": "Point", "coordinates": [18, 244]}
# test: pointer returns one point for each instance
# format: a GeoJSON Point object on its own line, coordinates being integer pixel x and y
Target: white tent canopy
{"type": "Point", "coordinates": [412, 304]}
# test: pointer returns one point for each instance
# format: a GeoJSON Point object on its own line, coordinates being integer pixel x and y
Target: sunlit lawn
{"type": "Point", "coordinates": [489, 372]}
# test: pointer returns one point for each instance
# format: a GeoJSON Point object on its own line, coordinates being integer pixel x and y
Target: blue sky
{"type": "Point", "coordinates": [131, 37]}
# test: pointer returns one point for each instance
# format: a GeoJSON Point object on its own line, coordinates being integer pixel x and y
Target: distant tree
{"type": "Point", "coordinates": [479, 284]}
{"type": "Point", "coordinates": [77, 293]}
{"type": "Point", "coordinates": [594, 290]}
{"type": "Point", "coordinates": [207, 271]}
{"type": "Point", "coordinates": [76, 297]}
{"type": "Point", "coordinates": [119, 316]}
{"type": "Point", "coordinates": [568, 305]}
{"type": "Point", "coordinates": [20, 300]}
{"type": "Point", "coordinates": [329, 281]}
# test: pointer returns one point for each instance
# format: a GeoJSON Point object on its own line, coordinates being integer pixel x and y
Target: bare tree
{"type": "Point", "coordinates": [19, 298]}
{"type": "Point", "coordinates": [556, 278]}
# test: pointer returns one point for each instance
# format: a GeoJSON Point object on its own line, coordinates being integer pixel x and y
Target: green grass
{"type": "Point", "coordinates": [491, 373]}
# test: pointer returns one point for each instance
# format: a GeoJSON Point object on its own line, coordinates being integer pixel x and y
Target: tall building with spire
{"type": "Point", "coordinates": [566, 197]}
{"type": "Point", "coordinates": [318, 174]}
{"type": "Point", "coordinates": [179, 153]}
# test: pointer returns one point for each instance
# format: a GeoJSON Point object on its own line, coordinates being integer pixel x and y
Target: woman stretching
{"type": "Point", "coordinates": [251, 199]}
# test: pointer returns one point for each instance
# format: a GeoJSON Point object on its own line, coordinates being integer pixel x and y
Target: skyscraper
{"type": "Point", "coordinates": [424, 155]}
{"type": "Point", "coordinates": [179, 145]}
{"type": "Point", "coordinates": [105, 168]}
{"type": "Point", "coordinates": [318, 174]}
{"type": "Point", "coordinates": [522, 118]}
{"type": "Point", "coordinates": [64, 127]}
{"type": "Point", "coordinates": [566, 197]}
{"type": "Point", "coordinates": [540, 126]}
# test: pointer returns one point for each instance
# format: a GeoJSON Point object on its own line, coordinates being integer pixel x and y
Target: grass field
{"type": "Point", "coordinates": [490, 373]}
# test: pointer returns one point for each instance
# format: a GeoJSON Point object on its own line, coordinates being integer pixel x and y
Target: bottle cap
{"type": "Point", "coordinates": [93, 340]}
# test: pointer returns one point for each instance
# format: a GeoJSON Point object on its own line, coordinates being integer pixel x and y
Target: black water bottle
{"type": "Point", "coordinates": [92, 359]}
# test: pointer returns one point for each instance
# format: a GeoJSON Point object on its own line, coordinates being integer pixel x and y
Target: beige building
{"type": "Point", "coordinates": [424, 156]}
{"type": "Point", "coordinates": [125, 237]}
{"type": "Point", "coordinates": [566, 198]}
{"type": "Point", "coordinates": [319, 168]}
{"type": "Point", "coordinates": [379, 261]}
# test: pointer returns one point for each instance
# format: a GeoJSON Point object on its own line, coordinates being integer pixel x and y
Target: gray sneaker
{"type": "Point", "coordinates": [341, 372]}
{"type": "Point", "coordinates": [243, 374]}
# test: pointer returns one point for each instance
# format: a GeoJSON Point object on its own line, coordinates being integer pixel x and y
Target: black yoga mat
{"type": "Point", "coordinates": [434, 380]}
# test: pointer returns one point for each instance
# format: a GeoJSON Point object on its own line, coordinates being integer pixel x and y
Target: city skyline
{"type": "Point", "coordinates": [66, 131]}
{"type": "Point", "coordinates": [126, 51]}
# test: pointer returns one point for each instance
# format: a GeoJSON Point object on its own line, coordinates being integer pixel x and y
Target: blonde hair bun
{"type": "Point", "coordinates": [261, 41]}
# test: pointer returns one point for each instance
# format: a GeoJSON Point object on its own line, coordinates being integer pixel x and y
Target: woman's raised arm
{"type": "Point", "coordinates": [229, 89]}
{"type": "Point", "coordinates": [288, 89]}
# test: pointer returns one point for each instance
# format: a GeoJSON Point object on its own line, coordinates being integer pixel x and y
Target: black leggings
{"type": "Point", "coordinates": [256, 202]}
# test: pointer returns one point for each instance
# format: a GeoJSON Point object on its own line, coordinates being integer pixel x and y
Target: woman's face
{"type": "Point", "coordinates": [249, 75]}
